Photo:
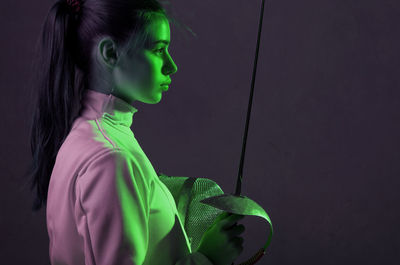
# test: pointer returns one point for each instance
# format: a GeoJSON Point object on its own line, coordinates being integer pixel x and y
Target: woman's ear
{"type": "Point", "coordinates": [107, 50]}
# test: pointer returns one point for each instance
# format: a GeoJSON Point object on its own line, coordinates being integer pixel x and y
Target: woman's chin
{"type": "Point", "coordinates": [155, 99]}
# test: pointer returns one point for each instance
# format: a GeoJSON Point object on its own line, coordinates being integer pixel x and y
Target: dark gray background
{"type": "Point", "coordinates": [323, 149]}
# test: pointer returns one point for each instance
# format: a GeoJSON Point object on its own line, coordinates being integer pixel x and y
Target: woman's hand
{"type": "Point", "coordinates": [221, 243]}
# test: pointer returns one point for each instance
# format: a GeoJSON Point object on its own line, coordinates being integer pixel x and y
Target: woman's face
{"type": "Point", "coordinates": [140, 75]}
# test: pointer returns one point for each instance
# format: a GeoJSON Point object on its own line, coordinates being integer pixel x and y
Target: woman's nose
{"type": "Point", "coordinates": [174, 68]}
{"type": "Point", "coordinates": [170, 67]}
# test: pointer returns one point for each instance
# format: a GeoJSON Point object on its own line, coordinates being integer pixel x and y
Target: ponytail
{"type": "Point", "coordinates": [58, 91]}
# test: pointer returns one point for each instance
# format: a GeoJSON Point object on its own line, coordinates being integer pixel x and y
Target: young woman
{"type": "Point", "coordinates": [105, 204]}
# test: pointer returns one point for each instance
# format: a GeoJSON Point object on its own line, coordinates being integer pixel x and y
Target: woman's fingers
{"type": "Point", "coordinates": [229, 221]}
{"type": "Point", "coordinates": [238, 241]}
{"type": "Point", "coordinates": [236, 230]}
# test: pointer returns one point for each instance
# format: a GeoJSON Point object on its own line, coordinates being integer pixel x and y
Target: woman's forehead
{"type": "Point", "coordinates": [158, 29]}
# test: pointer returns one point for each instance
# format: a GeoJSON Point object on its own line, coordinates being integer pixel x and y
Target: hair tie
{"type": "Point", "coordinates": [75, 5]}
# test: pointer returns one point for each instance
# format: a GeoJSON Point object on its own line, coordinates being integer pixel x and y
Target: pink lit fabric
{"type": "Point", "coordinates": [89, 219]}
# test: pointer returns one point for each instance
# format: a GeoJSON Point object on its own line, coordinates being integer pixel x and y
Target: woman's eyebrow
{"type": "Point", "coordinates": [162, 41]}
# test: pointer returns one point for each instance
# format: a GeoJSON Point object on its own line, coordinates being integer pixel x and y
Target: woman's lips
{"type": "Point", "coordinates": [166, 83]}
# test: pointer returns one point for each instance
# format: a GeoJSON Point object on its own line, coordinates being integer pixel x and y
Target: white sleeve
{"type": "Point", "coordinates": [112, 210]}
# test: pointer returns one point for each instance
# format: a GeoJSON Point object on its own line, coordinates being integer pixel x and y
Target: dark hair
{"type": "Point", "coordinates": [62, 66]}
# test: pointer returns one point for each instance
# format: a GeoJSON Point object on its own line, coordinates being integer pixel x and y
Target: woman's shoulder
{"type": "Point", "coordinates": [110, 165]}
{"type": "Point", "coordinates": [81, 149]}
{"type": "Point", "coordinates": [85, 141]}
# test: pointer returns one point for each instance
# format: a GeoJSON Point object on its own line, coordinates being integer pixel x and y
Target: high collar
{"type": "Point", "coordinates": [96, 105]}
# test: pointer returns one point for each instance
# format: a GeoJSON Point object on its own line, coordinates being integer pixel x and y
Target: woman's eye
{"type": "Point", "coordinates": [160, 50]}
